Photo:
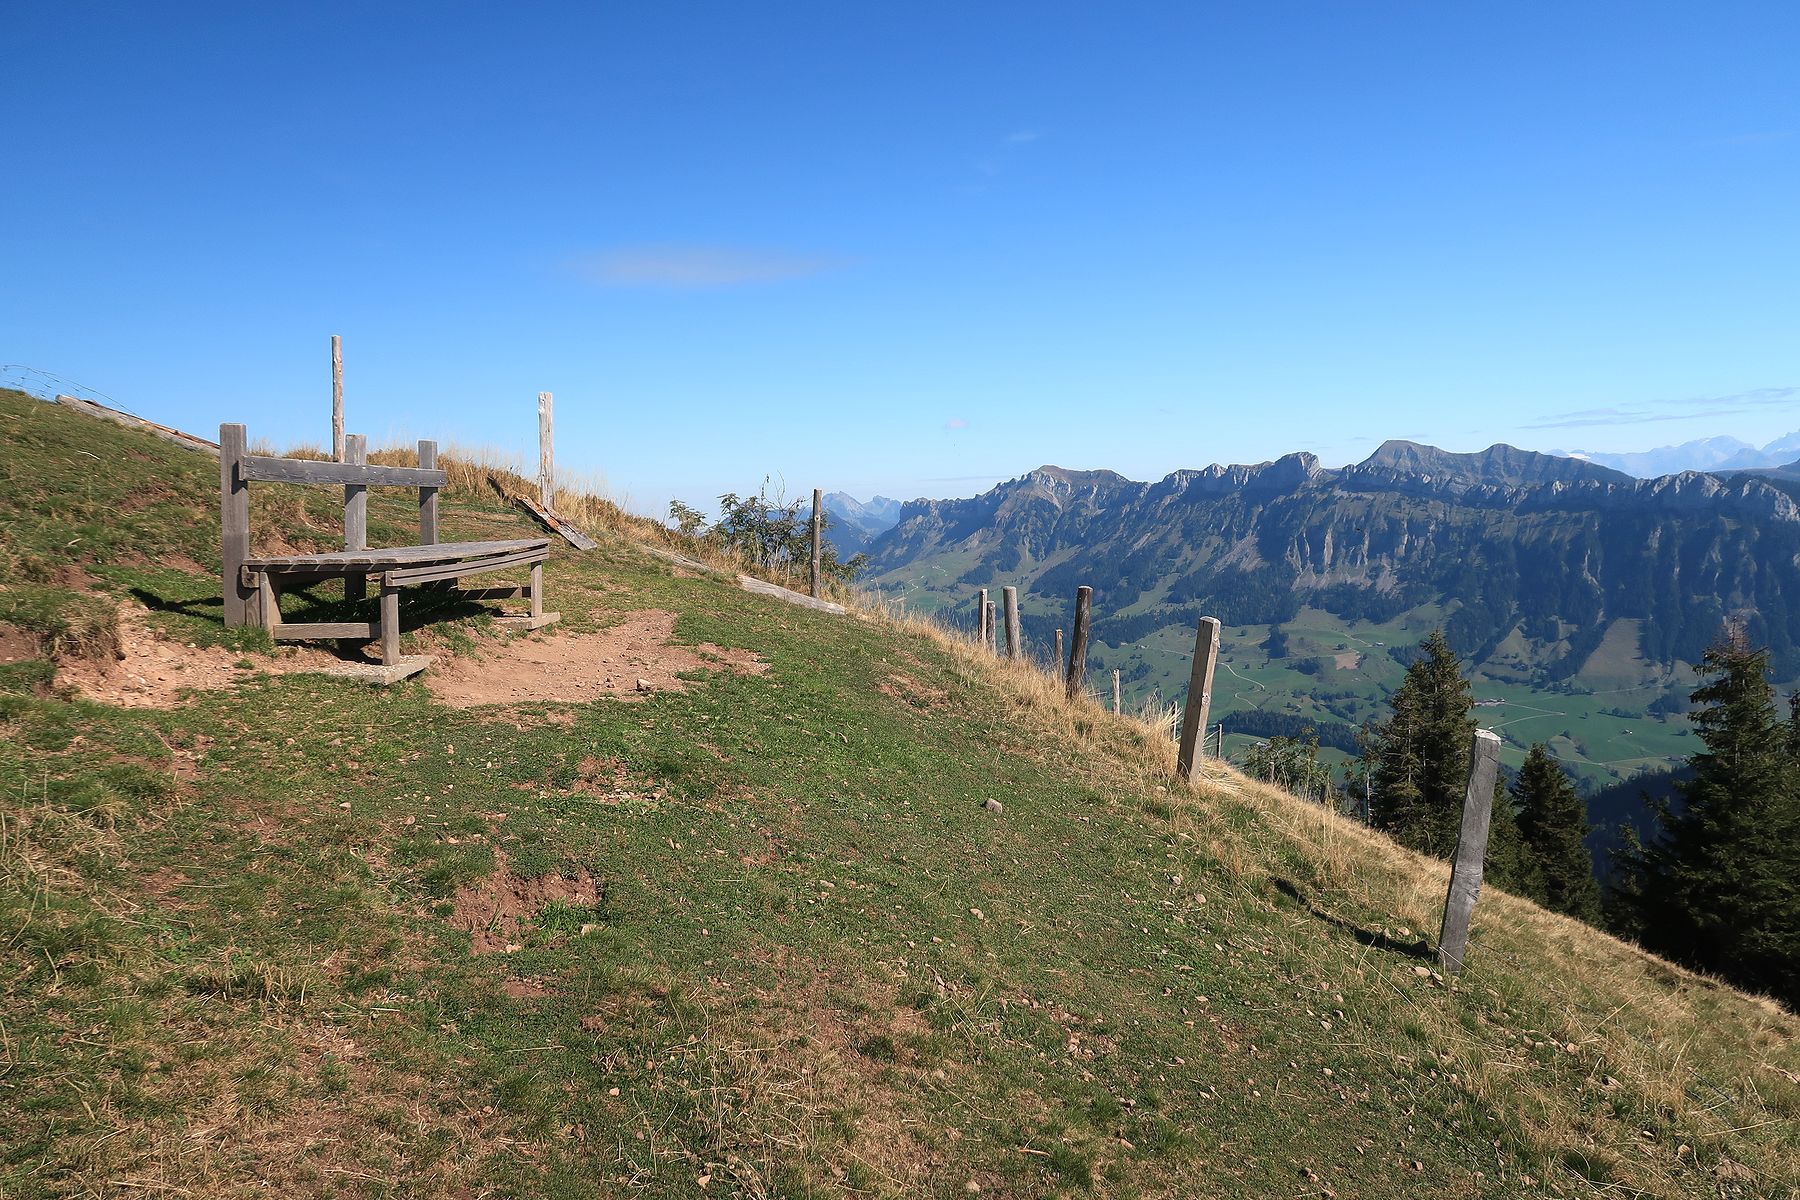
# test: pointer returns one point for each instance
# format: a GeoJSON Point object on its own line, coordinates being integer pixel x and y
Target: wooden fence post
{"type": "Point", "coordinates": [1010, 598]}
{"type": "Point", "coordinates": [1199, 697]}
{"type": "Point", "coordinates": [818, 529]}
{"type": "Point", "coordinates": [1059, 651]}
{"type": "Point", "coordinates": [992, 628]}
{"type": "Point", "coordinates": [234, 525]}
{"type": "Point", "coordinates": [1115, 691]}
{"type": "Point", "coordinates": [546, 453]}
{"type": "Point", "coordinates": [337, 398]}
{"type": "Point", "coordinates": [356, 514]}
{"type": "Point", "coordinates": [982, 608]}
{"type": "Point", "coordinates": [1471, 850]}
{"type": "Point", "coordinates": [428, 497]}
{"type": "Point", "coordinates": [1078, 641]}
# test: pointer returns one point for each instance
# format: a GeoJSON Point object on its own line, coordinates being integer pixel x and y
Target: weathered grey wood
{"type": "Point", "coordinates": [390, 624]}
{"type": "Point", "coordinates": [1059, 650]}
{"type": "Point", "coordinates": [987, 642]}
{"type": "Point", "coordinates": [537, 589]}
{"type": "Point", "coordinates": [337, 398]}
{"type": "Point", "coordinates": [355, 453]}
{"type": "Point", "coordinates": [267, 603]}
{"type": "Point", "coordinates": [546, 452]}
{"type": "Point", "coordinates": [407, 576]}
{"type": "Point", "coordinates": [1009, 597]}
{"type": "Point", "coordinates": [262, 469]}
{"type": "Point", "coordinates": [428, 496]}
{"type": "Point", "coordinates": [1199, 697]}
{"type": "Point", "coordinates": [818, 533]}
{"type": "Point", "coordinates": [1117, 691]}
{"type": "Point", "coordinates": [555, 524]}
{"type": "Point", "coordinates": [337, 561]}
{"type": "Point", "coordinates": [289, 631]}
{"type": "Point", "coordinates": [763, 587]}
{"type": "Point", "coordinates": [1078, 641]}
{"type": "Point", "coordinates": [186, 441]}
{"type": "Point", "coordinates": [234, 524]}
{"type": "Point", "coordinates": [1471, 850]}
{"type": "Point", "coordinates": [503, 592]}
{"type": "Point", "coordinates": [982, 608]}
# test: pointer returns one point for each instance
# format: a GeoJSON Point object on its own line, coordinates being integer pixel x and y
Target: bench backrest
{"type": "Point", "coordinates": [238, 469]}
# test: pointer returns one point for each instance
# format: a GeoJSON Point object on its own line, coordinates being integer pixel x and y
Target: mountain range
{"type": "Point", "coordinates": [1703, 454]}
{"type": "Point", "coordinates": [1553, 576]}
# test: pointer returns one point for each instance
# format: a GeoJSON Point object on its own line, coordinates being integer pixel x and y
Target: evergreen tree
{"type": "Point", "coordinates": [1717, 887]}
{"type": "Point", "coordinates": [1420, 756]}
{"type": "Point", "coordinates": [1553, 824]}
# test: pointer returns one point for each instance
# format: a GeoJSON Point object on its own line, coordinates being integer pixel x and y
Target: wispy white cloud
{"type": "Point", "coordinates": [696, 267]}
{"type": "Point", "coordinates": [957, 423]}
{"type": "Point", "coordinates": [1020, 137]}
{"type": "Point", "coordinates": [1684, 409]}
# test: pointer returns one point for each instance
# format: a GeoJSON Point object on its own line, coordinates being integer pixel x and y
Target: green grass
{"type": "Point", "coordinates": [819, 966]}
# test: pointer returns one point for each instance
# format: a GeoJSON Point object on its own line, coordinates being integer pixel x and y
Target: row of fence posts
{"type": "Point", "coordinates": [1472, 838]}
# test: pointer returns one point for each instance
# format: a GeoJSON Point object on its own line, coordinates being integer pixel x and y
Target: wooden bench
{"type": "Point", "coordinates": [253, 585]}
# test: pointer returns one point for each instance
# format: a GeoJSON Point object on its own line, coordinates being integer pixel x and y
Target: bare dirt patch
{"type": "Point", "coordinates": [152, 672]}
{"type": "Point", "coordinates": [498, 910]}
{"type": "Point", "coordinates": [16, 645]}
{"type": "Point", "coordinates": [1347, 661]}
{"type": "Point", "coordinates": [905, 688]}
{"type": "Point", "coordinates": [627, 661]}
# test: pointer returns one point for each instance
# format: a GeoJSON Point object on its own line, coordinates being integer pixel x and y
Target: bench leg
{"type": "Point", "coordinates": [537, 589]}
{"type": "Point", "coordinates": [390, 625]}
{"type": "Point", "coordinates": [268, 602]}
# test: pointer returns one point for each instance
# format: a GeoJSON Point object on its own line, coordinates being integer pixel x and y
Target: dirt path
{"type": "Point", "coordinates": [627, 661]}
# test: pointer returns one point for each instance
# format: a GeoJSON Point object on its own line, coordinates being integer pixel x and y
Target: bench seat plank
{"type": "Point", "coordinates": [399, 556]}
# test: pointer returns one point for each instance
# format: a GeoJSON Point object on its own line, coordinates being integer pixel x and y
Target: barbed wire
{"type": "Point", "coordinates": [48, 385]}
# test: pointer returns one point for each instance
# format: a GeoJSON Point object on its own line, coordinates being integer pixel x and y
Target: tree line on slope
{"type": "Point", "coordinates": [1713, 887]}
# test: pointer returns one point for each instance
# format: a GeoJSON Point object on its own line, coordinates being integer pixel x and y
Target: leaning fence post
{"type": "Point", "coordinates": [1199, 697]}
{"type": "Point", "coordinates": [1471, 850]}
{"type": "Point", "coordinates": [546, 452]}
{"type": "Point", "coordinates": [818, 526]}
{"type": "Point", "coordinates": [1010, 597]}
{"type": "Point", "coordinates": [337, 398]}
{"type": "Point", "coordinates": [1078, 641]}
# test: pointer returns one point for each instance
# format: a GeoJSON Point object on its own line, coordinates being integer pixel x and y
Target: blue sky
{"type": "Point", "coordinates": [913, 248]}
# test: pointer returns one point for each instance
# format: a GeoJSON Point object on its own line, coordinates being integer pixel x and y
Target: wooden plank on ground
{"type": "Point", "coordinates": [555, 524]}
{"type": "Point", "coordinates": [763, 588]}
{"type": "Point", "coordinates": [186, 441]}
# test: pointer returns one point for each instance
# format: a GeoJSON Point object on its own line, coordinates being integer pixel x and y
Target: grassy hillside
{"type": "Point", "coordinates": [758, 936]}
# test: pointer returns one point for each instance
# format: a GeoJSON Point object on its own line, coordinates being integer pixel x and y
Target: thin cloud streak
{"type": "Point", "coordinates": [1686, 409]}
{"type": "Point", "coordinates": [689, 268]}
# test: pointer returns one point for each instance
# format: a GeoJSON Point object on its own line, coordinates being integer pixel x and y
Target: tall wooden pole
{"type": "Point", "coordinates": [1471, 850]}
{"type": "Point", "coordinates": [1009, 597]}
{"type": "Point", "coordinates": [546, 452]}
{"type": "Point", "coordinates": [356, 513]}
{"type": "Point", "coordinates": [982, 609]}
{"type": "Point", "coordinates": [337, 398]}
{"type": "Point", "coordinates": [1199, 697]}
{"type": "Point", "coordinates": [818, 530]}
{"type": "Point", "coordinates": [1116, 691]}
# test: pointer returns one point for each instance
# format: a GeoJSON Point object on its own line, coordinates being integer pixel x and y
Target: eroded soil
{"type": "Point", "coordinates": [627, 661]}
